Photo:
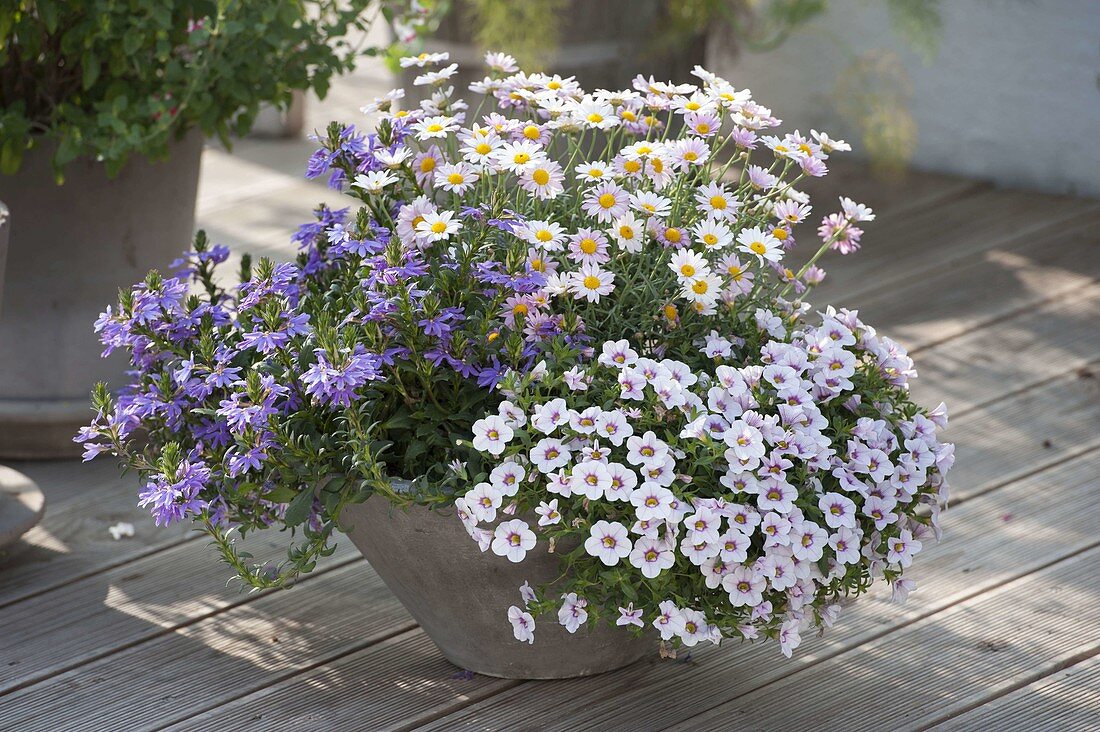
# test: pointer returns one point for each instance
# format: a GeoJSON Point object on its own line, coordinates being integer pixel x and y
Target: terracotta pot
{"type": "Point", "coordinates": [72, 247]}
{"type": "Point", "coordinates": [460, 596]}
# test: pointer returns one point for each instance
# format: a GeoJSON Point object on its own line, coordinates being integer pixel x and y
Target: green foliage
{"type": "Point", "coordinates": [114, 78]}
{"type": "Point", "coordinates": [530, 30]}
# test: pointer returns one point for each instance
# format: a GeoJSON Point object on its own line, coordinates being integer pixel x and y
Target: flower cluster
{"type": "Point", "coordinates": [568, 314]}
{"type": "Point", "coordinates": [744, 498]}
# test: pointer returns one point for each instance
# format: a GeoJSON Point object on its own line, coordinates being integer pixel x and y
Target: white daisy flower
{"type": "Point", "coordinates": [755, 241]}
{"type": "Point", "coordinates": [434, 127]}
{"type": "Point", "coordinates": [424, 59]}
{"type": "Point", "coordinates": [518, 157]}
{"type": "Point", "coordinates": [457, 178]}
{"type": "Point", "coordinates": [591, 283]}
{"type": "Point", "coordinates": [628, 233]}
{"type": "Point", "coordinates": [713, 233]}
{"type": "Point", "coordinates": [374, 181]}
{"type": "Point", "coordinates": [543, 179]}
{"type": "Point", "coordinates": [438, 226]}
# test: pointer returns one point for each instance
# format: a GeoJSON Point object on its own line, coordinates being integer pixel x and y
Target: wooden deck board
{"type": "Point", "coordinates": [72, 540]}
{"type": "Point", "coordinates": [1019, 632]}
{"type": "Point", "coordinates": [1066, 701]}
{"type": "Point", "coordinates": [988, 286]}
{"type": "Point", "coordinates": [121, 607]}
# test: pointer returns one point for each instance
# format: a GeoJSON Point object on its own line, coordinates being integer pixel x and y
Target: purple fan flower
{"type": "Point", "coordinates": [173, 498]}
{"type": "Point", "coordinates": [335, 383]}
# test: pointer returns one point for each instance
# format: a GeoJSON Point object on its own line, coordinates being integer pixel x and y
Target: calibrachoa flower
{"type": "Point", "coordinates": [604, 357]}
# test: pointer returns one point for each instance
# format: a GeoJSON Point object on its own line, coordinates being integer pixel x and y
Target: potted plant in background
{"type": "Point", "coordinates": [21, 501]}
{"type": "Point", "coordinates": [553, 363]}
{"type": "Point", "coordinates": [103, 108]}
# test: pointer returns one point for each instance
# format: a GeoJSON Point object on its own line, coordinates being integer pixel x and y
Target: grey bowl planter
{"type": "Point", "coordinates": [461, 596]}
{"type": "Point", "coordinates": [72, 247]}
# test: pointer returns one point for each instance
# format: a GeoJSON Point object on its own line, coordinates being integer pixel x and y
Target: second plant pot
{"type": "Point", "coordinates": [72, 246]}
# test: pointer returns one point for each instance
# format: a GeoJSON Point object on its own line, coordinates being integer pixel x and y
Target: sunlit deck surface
{"type": "Point", "coordinates": [995, 293]}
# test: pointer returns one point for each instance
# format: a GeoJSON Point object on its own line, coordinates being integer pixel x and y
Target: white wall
{"type": "Point", "coordinates": [1013, 94]}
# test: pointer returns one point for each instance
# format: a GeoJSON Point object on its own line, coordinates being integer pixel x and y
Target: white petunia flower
{"type": "Point", "coordinates": [491, 434]}
{"type": "Point", "coordinates": [608, 542]}
{"type": "Point", "coordinates": [548, 512]}
{"type": "Point", "coordinates": [523, 625]}
{"type": "Point", "coordinates": [513, 539]}
{"type": "Point", "coordinates": [651, 556]}
{"type": "Point", "coordinates": [572, 613]}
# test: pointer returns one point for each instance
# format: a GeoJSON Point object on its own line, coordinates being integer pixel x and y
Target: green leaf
{"type": "Point", "coordinates": [281, 494]}
{"type": "Point", "coordinates": [299, 509]}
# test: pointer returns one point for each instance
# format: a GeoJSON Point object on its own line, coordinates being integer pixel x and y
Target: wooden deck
{"type": "Point", "coordinates": [996, 293]}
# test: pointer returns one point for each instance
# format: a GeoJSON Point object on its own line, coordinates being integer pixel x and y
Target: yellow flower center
{"type": "Point", "coordinates": [531, 132]}
{"type": "Point", "coordinates": [455, 178]}
{"type": "Point", "coordinates": [758, 247]}
{"type": "Point", "coordinates": [493, 336]}
{"type": "Point", "coordinates": [780, 234]}
{"type": "Point", "coordinates": [544, 235]}
{"type": "Point", "coordinates": [439, 227]}
{"type": "Point", "coordinates": [673, 235]}
{"type": "Point", "coordinates": [595, 172]}
{"type": "Point", "coordinates": [710, 239]}
{"type": "Point", "coordinates": [554, 85]}
{"type": "Point", "coordinates": [483, 148]}
{"type": "Point", "coordinates": [435, 127]}
{"type": "Point", "coordinates": [595, 118]}
{"type": "Point", "coordinates": [401, 113]}
{"type": "Point", "coordinates": [700, 287]}
{"type": "Point", "coordinates": [588, 246]}
{"type": "Point", "coordinates": [427, 165]}
{"type": "Point", "coordinates": [735, 272]}
{"type": "Point", "coordinates": [670, 312]}
{"type": "Point", "coordinates": [657, 165]}
{"type": "Point", "coordinates": [632, 166]}
{"type": "Point", "coordinates": [628, 115]}
{"type": "Point", "coordinates": [626, 232]}
{"type": "Point", "coordinates": [702, 128]}
{"type": "Point", "coordinates": [693, 106]}
{"type": "Point", "coordinates": [649, 207]}
{"type": "Point", "coordinates": [521, 158]}
{"type": "Point", "coordinates": [541, 177]}
{"type": "Point", "coordinates": [687, 270]}
{"type": "Point", "coordinates": [519, 309]}
{"type": "Point", "coordinates": [416, 221]}
{"type": "Point", "coordinates": [718, 202]}
{"type": "Point", "coordinates": [643, 149]}
{"type": "Point", "coordinates": [538, 265]}
{"type": "Point", "coordinates": [592, 282]}
{"type": "Point", "coordinates": [690, 156]}
{"type": "Point", "coordinates": [607, 200]}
